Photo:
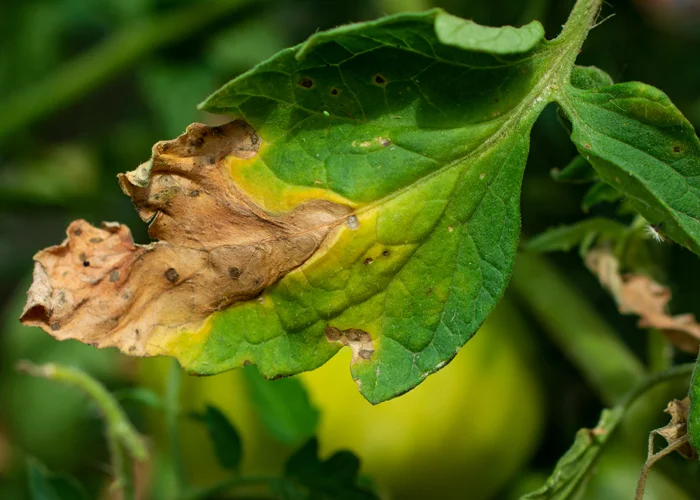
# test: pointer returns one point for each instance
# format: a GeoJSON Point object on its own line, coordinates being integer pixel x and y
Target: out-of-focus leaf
{"type": "Point", "coordinates": [564, 238]}
{"type": "Point", "coordinates": [241, 47]}
{"type": "Point", "coordinates": [173, 91]}
{"type": "Point", "coordinates": [598, 193]}
{"type": "Point", "coordinates": [45, 485]}
{"type": "Point", "coordinates": [308, 478]}
{"type": "Point", "coordinates": [62, 175]}
{"type": "Point", "coordinates": [694, 413]}
{"type": "Point", "coordinates": [283, 406]}
{"type": "Point", "coordinates": [224, 436]}
{"type": "Point", "coordinates": [575, 467]}
{"type": "Point", "coordinates": [577, 171]}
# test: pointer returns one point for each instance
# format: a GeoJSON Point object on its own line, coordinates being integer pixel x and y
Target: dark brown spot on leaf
{"type": "Point", "coordinates": [86, 263]}
{"type": "Point", "coordinates": [379, 79]}
{"type": "Point", "coordinates": [368, 261]}
{"type": "Point", "coordinates": [334, 91]}
{"type": "Point", "coordinates": [55, 326]}
{"type": "Point", "coordinates": [386, 253]}
{"type": "Point", "coordinates": [305, 82]}
{"type": "Point", "coordinates": [171, 275]}
{"type": "Point", "coordinates": [96, 240]}
{"type": "Point", "coordinates": [114, 276]}
{"type": "Point", "coordinates": [365, 353]}
{"type": "Point", "coordinates": [234, 273]}
{"type": "Point", "coordinates": [194, 193]}
{"type": "Point", "coordinates": [676, 149]}
{"type": "Point", "coordinates": [332, 333]}
{"type": "Point", "coordinates": [78, 232]}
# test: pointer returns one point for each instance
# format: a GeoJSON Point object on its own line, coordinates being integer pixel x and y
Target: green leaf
{"type": "Point", "coordinates": [639, 143]}
{"type": "Point", "coordinates": [577, 171]}
{"type": "Point", "coordinates": [307, 477]}
{"type": "Point", "coordinates": [284, 407]}
{"type": "Point", "coordinates": [694, 413]}
{"type": "Point", "coordinates": [45, 485]}
{"type": "Point", "coordinates": [598, 193]}
{"type": "Point", "coordinates": [590, 77]}
{"type": "Point", "coordinates": [564, 238]}
{"type": "Point", "coordinates": [574, 468]}
{"type": "Point", "coordinates": [224, 436]}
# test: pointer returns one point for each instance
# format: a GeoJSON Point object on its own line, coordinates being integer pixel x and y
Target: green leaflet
{"type": "Point", "coordinates": [575, 467]}
{"type": "Point", "coordinates": [639, 143]}
{"type": "Point", "coordinates": [564, 238]}
{"type": "Point", "coordinates": [415, 128]}
{"type": "Point", "coordinates": [429, 141]}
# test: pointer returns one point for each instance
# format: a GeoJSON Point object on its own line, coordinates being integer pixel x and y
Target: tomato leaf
{"type": "Point", "coordinates": [307, 477]}
{"type": "Point", "coordinates": [284, 407]}
{"type": "Point", "coordinates": [598, 193]}
{"type": "Point", "coordinates": [640, 144]}
{"type": "Point", "coordinates": [564, 238]}
{"type": "Point", "coordinates": [575, 467]}
{"type": "Point", "coordinates": [46, 485]}
{"type": "Point", "coordinates": [228, 446]}
{"type": "Point", "coordinates": [365, 195]}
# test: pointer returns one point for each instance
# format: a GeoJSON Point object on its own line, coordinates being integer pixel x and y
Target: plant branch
{"type": "Point", "coordinates": [100, 63]}
{"type": "Point", "coordinates": [121, 435]}
{"type": "Point", "coordinates": [572, 323]}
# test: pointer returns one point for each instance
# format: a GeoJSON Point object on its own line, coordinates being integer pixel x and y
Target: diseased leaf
{"type": "Point", "coordinates": [224, 437]}
{"type": "Point", "coordinates": [308, 478]}
{"type": "Point", "coordinates": [365, 195]}
{"type": "Point", "coordinates": [283, 406]}
{"type": "Point", "coordinates": [564, 238]}
{"type": "Point", "coordinates": [574, 468]}
{"type": "Point", "coordinates": [644, 147]}
{"type": "Point", "coordinates": [675, 433]}
{"type": "Point", "coordinates": [640, 295]}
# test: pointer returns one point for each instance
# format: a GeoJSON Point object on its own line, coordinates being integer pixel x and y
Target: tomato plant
{"type": "Point", "coordinates": [361, 192]}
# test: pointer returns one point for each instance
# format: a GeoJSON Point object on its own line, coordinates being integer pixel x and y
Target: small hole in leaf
{"type": "Point", "coordinates": [305, 82]}
{"type": "Point", "coordinates": [86, 263]}
{"type": "Point", "coordinates": [379, 80]}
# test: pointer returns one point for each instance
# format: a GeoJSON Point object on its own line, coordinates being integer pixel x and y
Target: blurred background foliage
{"type": "Point", "coordinates": [87, 87]}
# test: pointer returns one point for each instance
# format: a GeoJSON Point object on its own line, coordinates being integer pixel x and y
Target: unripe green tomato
{"type": "Point", "coordinates": [461, 434]}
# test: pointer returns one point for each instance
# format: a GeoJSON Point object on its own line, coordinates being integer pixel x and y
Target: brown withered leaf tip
{"type": "Point", "coordinates": [640, 295]}
{"type": "Point", "coordinates": [213, 246]}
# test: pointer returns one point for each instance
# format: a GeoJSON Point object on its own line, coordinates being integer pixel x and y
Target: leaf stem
{"type": "Point", "coordinates": [575, 31]}
{"type": "Point", "coordinates": [587, 340]}
{"type": "Point", "coordinates": [108, 58]}
{"type": "Point", "coordinates": [121, 435]}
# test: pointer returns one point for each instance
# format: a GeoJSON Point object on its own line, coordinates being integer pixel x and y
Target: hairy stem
{"type": "Point", "coordinates": [102, 62]}
{"type": "Point", "coordinates": [125, 443]}
{"type": "Point", "coordinates": [572, 323]}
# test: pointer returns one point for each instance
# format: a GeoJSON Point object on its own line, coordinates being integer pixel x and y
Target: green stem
{"type": "Point", "coordinates": [228, 484]}
{"type": "Point", "coordinates": [172, 417]}
{"type": "Point", "coordinates": [100, 63]}
{"type": "Point", "coordinates": [587, 340]}
{"type": "Point", "coordinates": [659, 351]}
{"type": "Point", "coordinates": [575, 32]}
{"type": "Point", "coordinates": [121, 435]}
